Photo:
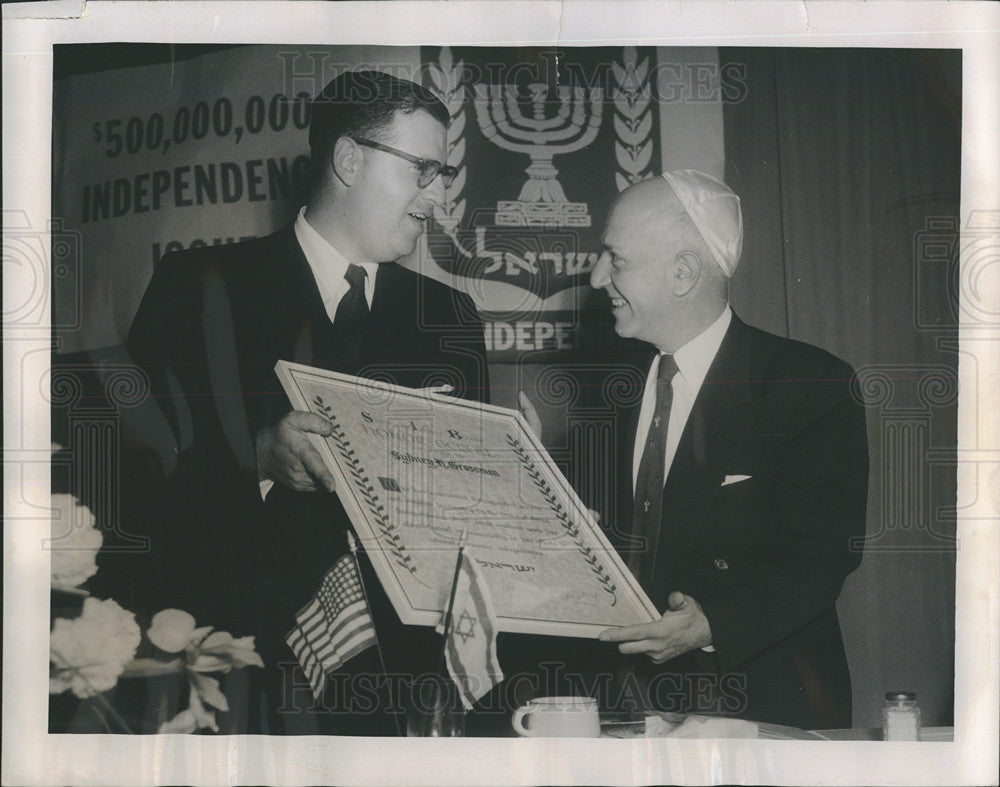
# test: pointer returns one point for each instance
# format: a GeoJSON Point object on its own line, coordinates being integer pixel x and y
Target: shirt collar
{"type": "Point", "coordinates": [327, 264]}
{"type": "Point", "coordinates": [694, 358]}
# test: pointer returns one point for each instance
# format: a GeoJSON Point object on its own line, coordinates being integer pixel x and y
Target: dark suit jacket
{"type": "Point", "coordinates": [766, 556]}
{"type": "Point", "coordinates": [210, 328]}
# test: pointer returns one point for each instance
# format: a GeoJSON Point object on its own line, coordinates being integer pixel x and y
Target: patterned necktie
{"type": "Point", "coordinates": [353, 307]}
{"type": "Point", "coordinates": [648, 505]}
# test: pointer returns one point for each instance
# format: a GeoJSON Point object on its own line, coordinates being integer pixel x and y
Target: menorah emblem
{"type": "Point", "coordinates": [542, 201]}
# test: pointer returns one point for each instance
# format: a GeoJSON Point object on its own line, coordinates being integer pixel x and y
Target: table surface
{"type": "Point", "coordinates": [939, 734]}
{"type": "Point", "coordinates": [765, 731]}
{"type": "Point", "coordinates": [617, 727]}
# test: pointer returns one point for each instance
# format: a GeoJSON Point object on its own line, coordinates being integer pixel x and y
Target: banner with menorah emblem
{"type": "Point", "coordinates": [158, 149]}
{"type": "Point", "coordinates": [543, 141]}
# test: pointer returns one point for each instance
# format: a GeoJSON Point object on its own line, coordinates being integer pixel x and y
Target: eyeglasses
{"type": "Point", "coordinates": [428, 168]}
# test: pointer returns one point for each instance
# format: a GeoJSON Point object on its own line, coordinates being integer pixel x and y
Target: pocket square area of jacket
{"type": "Point", "coordinates": [729, 480]}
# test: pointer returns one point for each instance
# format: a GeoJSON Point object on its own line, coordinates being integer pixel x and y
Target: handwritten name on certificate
{"type": "Point", "coordinates": [415, 469]}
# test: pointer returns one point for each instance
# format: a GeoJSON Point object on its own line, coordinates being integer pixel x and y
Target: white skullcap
{"type": "Point", "coordinates": [715, 211]}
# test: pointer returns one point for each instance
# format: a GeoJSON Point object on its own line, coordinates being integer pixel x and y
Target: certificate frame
{"type": "Point", "coordinates": [416, 470]}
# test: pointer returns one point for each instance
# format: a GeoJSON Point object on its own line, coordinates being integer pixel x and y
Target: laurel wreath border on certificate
{"type": "Point", "coordinates": [366, 488]}
{"type": "Point", "coordinates": [572, 530]}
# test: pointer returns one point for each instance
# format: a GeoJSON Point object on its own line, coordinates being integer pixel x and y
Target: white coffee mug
{"type": "Point", "coordinates": [558, 717]}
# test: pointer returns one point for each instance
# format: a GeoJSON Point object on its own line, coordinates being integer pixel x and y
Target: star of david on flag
{"type": "Point", "coordinates": [471, 643]}
{"type": "Point", "coordinates": [333, 627]}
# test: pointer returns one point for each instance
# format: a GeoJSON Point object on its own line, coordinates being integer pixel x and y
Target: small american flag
{"type": "Point", "coordinates": [333, 627]}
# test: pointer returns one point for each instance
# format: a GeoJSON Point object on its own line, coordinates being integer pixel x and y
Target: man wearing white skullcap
{"type": "Point", "coordinates": [742, 473]}
{"type": "Point", "coordinates": [715, 212]}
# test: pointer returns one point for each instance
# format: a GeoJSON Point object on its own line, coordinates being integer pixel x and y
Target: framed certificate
{"type": "Point", "coordinates": [416, 469]}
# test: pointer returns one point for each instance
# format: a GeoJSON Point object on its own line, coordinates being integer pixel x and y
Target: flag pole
{"type": "Point", "coordinates": [352, 544]}
{"type": "Point", "coordinates": [451, 601]}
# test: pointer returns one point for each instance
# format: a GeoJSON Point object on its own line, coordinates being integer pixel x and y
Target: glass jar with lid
{"type": "Point", "coordinates": [901, 717]}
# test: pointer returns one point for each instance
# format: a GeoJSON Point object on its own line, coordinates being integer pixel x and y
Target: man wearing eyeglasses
{"type": "Point", "coordinates": [327, 292]}
{"type": "Point", "coordinates": [369, 203]}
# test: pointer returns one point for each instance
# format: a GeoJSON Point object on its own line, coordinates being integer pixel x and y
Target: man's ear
{"type": "Point", "coordinates": [345, 159]}
{"type": "Point", "coordinates": [687, 271]}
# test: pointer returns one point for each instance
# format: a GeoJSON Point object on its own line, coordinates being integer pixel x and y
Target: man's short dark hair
{"type": "Point", "coordinates": [363, 103]}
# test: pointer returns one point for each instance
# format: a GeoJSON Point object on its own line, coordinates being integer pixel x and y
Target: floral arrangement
{"type": "Point", "coordinates": [89, 654]}
{"type": "Point", "coordinates": [75, 545]}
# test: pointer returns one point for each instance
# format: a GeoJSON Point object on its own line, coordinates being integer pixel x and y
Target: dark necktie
{"type": "Point", "coordinates": [352, 314]}
{"type": "Point", "coordinates": [648, 506]}
{"type": "Point", "coordinates": [353, 307]}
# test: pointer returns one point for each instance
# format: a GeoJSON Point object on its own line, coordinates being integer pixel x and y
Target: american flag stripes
{"type": "Point", "coordinates": [333, 627]}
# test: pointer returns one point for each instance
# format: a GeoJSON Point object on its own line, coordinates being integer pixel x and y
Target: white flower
{"type": "Point", "coordinates": [75, 542]}
{"type": "Point", "coordinates": [208, 691]}
{"type": "Point", "coordinates": [183, 722]}
{"type": "Point", "coordinates": [195, 717]}
{"type": "Point", "coordinates": [89, 653]}
{"type": "Point", "coordinates": [173, 630]}
{"type": "Point", "coordinates": [222, 652]}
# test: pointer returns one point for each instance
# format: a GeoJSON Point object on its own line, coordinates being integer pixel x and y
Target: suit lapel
{"type": "Point", "coordinates": [294, 305]}
{"type": "Point", "coordinates": [286, 318]}
{"type": "Point", "coordinates": [300, 328]}
{"type": "Point", "coordinates": [716, 429]}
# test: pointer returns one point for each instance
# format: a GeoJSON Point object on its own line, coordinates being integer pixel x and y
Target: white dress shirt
{"type": "Point", "coordinates": [693, 360]}
{"type": "Point", "coordinates": [329, 266]}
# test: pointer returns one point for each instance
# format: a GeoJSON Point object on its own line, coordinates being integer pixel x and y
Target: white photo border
{"type": "Point", "coordinates": [32, 756]}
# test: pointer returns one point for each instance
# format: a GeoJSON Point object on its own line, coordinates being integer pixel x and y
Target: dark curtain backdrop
{"type": "Point", "coordinates": [848, 164]}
